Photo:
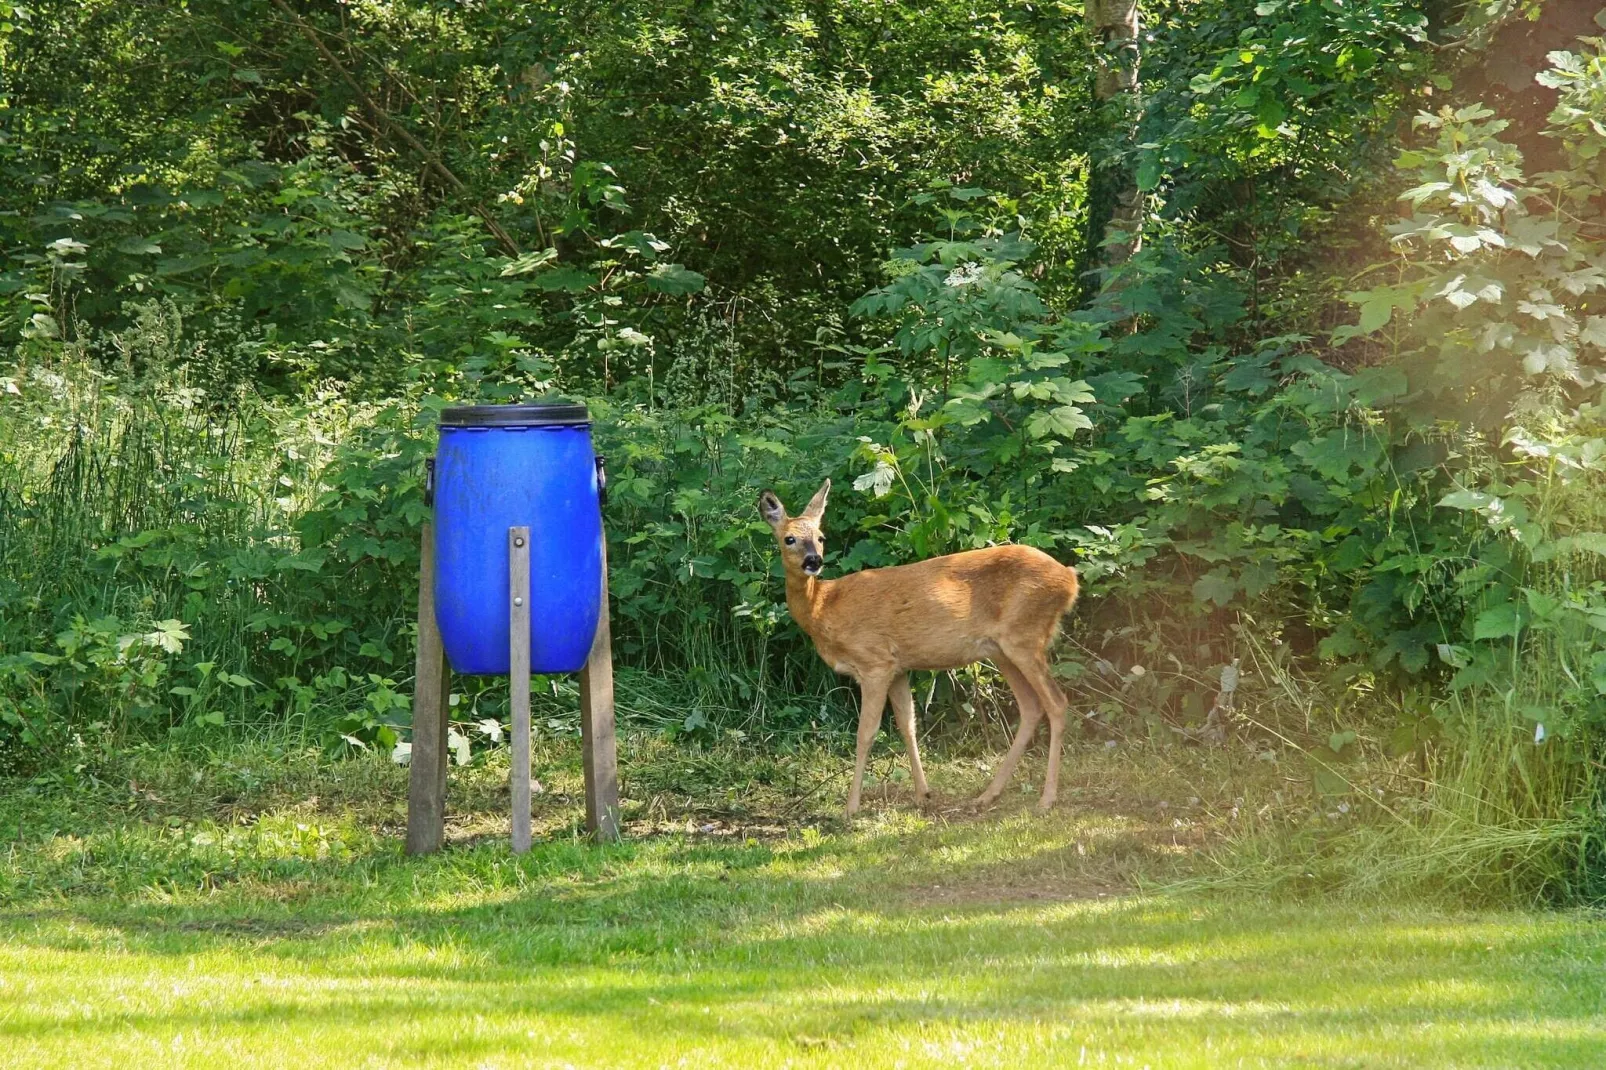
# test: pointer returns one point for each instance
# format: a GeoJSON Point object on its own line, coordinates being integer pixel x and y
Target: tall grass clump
{"type": "Point", "coordinates": [1488, 788]}
{"type": "Point", "coordinates": [149, 559]}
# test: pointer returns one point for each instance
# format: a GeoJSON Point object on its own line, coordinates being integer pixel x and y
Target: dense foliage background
{"type": "Point", "coordinates": [1325, 441]}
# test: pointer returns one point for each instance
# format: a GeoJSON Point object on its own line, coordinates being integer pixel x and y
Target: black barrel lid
{"type": "Point", "coordinates": [538, 414]}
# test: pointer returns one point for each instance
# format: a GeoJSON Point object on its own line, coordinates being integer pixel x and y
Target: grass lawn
{"type": "Point", "coordinates": [199, 923]}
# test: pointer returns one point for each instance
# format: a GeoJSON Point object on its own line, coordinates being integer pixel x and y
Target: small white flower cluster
{"type": "Point", "coordinates": [965, 274]}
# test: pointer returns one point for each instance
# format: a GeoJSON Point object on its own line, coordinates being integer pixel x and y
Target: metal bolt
{"type": "Point", "coordinates": [518, 601]}
{"type": "Point", "coordinates": [519, 541]}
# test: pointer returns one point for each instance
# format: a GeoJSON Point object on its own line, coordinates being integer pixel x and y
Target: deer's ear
{"type": "Point", "coordinates": [771, 509]}
{"type": "Point", "coordinates": [816, 508]}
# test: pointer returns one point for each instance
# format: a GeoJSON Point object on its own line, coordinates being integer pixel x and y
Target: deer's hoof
{"type": "Point", "coordinates": [982, 801]}
{"type": "Point", "coordinates": [1045, 804]}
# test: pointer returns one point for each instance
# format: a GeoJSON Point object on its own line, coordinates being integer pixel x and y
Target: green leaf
{"type": "Point", "coordinates": [1401, 741]}
{"type": "Point", "coordinates": [169, 635]}
{"type": "Point", "coordinates": [1074, 393]}
{"type": "Point", "coordinates": [1417, 194]}
{"type": "Point", "coordinates": [1378, 386]}
{"type": "Point", "coordinates": [1216, 586]}
{"type": "Point", "coordinates": [1271, 114]}
{"type": "Point", "coordinates": [1351, 554]}
{"type": "Point", "coordinates": [567, 279]}
{"type": "Point", "coordinates": [877, 481]}
{"type": "Point", "coordinates": [525, 263]}
{"type": "Point", "coordinates": [1589, 542]}
{"type": "Point", "coordinates": [345, 239]}
{"type": "Point", "coordinates": [1148, 176]}
{"type": "Point", "coordinates": [350, 295]}
{"type": "Point", "coordinates": [1594, 332]}
{"type": "Point", "coordinates": [1542, 605]}
{"type": "Point", "coordinates": [1375, 313]}
{"type": "Point", "coordinates": [674, 279]}
{"type": "Point", "coordinates": [1257, 577]}
{"type": "Point", "coordinates": [1469, 499]}
{"type": "Point", "coordinates": [1500, 622]}
{"type": "Point", "coordinates": [1062, 421]}
{"type": "Point", "coordinates": [180, 265]}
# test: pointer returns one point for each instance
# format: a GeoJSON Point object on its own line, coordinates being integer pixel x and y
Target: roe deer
{"type": "Point", "coordinates": [1002, 603]}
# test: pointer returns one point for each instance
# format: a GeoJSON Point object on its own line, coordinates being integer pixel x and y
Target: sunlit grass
{"type": "Point", "coordinates": [770, 975]}
{"type": "Point", "coordinates": [299, 935]}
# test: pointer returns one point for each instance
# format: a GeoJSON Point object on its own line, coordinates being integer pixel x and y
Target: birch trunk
{"type": "Point", "coordinates": [1114, 202]}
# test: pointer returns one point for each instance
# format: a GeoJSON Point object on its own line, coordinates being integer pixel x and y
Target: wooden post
{"type": "Point", "coordinates": [518, 571]}
{"type": "Point", "coordinates": [432, 682]}
{"type": "Point", "coordinates": [597, 740]}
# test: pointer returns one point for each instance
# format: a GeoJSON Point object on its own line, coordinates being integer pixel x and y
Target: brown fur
{"type": "Point", "coordinates": [1003, 603]}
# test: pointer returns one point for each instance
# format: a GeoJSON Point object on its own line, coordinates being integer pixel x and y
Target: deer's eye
{"type": "Point", "coordinates": [790, 541]}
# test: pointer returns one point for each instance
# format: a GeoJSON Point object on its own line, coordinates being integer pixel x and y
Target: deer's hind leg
{"type": "Point", "coordinates": [1031, 712]}
{"type": "Point", "coordinates": [873, 700]}
{"type": "Point", "coordinates": [903, 709]}
{"type": "Point", "coordinates": [1032, 662]}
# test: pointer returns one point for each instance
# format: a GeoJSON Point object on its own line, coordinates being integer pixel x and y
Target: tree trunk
{"type": "Point", "coordinates": [1115, 206]}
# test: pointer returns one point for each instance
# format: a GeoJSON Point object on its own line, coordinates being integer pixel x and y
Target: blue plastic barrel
{"type": "Point", "coordinates": [502, 466]}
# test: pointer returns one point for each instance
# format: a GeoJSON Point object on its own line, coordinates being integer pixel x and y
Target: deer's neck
{"type": "Point", "coordinates": [805, 598]}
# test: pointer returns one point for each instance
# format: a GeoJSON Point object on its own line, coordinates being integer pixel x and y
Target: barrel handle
{"type": "Point", "coordinates": [429, 482]}
{"type": "Point", "coordinates": [602, 480]}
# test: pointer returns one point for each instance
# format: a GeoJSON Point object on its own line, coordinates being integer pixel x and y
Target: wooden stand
{"type": "Point", "coordinates": [596, 727]}
{"type": "Point", "coordinates": [426, 794]}
{"type": "Point", "coordinates": [426, 780]}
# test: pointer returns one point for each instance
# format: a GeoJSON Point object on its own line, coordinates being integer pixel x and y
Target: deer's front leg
{"type": "Point", "coordinates": [903, 710]}
{"type": "Point", "coordinates": [873, 699]}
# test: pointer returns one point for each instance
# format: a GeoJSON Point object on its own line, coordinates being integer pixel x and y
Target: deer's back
{"type": "Point", "coordinates": [944, 612]}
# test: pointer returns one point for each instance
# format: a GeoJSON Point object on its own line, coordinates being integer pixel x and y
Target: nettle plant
{"type": "Point", "coordinates": [1498, 311]}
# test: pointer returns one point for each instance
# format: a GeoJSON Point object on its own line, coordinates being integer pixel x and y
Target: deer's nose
{"type": "Point", "coordinates": [812, 562]}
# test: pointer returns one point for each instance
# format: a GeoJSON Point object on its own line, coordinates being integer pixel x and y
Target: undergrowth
{"type": "Point", "coordinates": [1371, 553]}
